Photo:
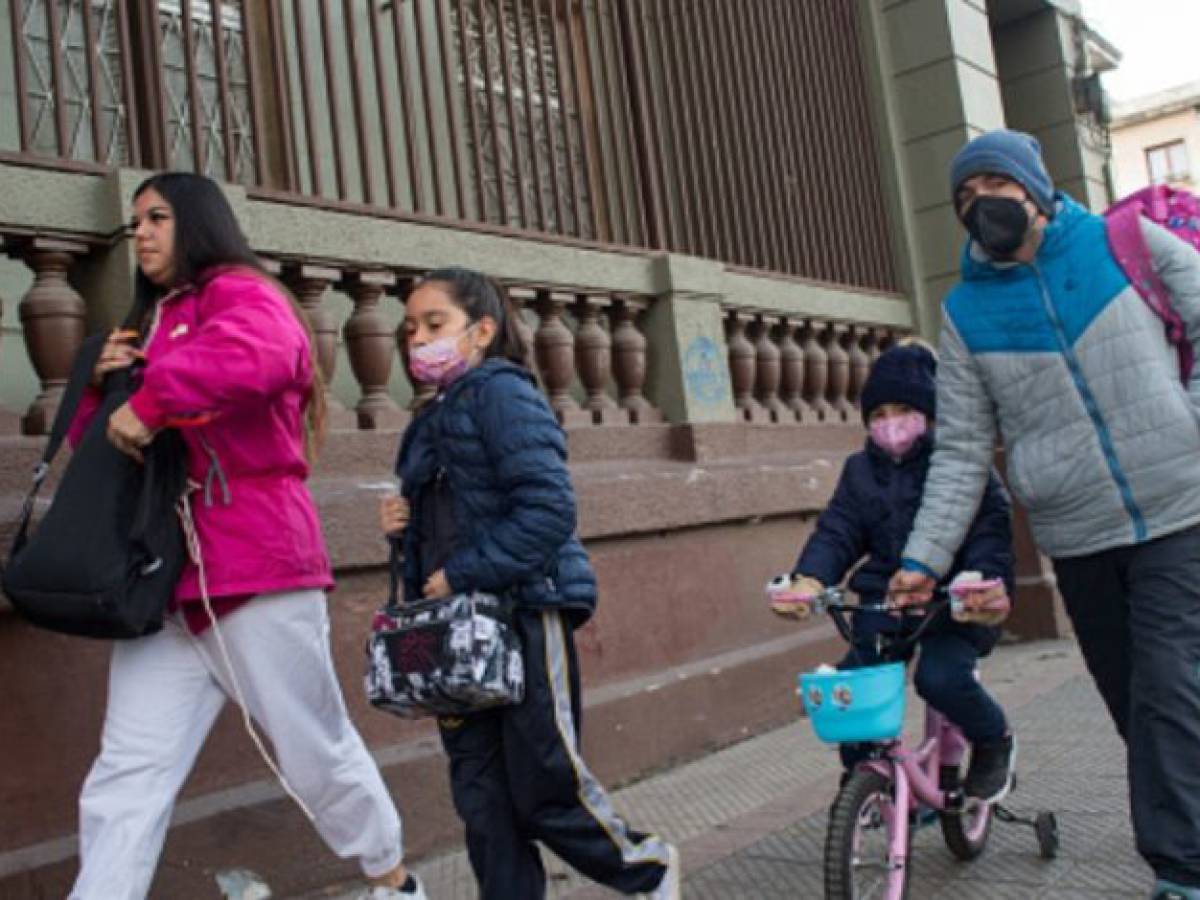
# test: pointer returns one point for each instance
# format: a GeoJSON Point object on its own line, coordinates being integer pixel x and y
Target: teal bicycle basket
{"type": "Point", "coordinates": [857, 704]}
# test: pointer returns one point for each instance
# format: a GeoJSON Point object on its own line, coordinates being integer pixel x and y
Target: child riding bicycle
{"type": "Point", "coordinates": [870, 515]}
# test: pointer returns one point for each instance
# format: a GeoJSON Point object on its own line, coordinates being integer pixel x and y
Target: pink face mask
{"type": "Point", "coordinates": [438, 362]}
{"type": "Point", "coordinates": [895, 435]}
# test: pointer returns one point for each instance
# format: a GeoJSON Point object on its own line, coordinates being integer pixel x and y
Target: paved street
{"type": "Point", "coordinates": [750, 819]}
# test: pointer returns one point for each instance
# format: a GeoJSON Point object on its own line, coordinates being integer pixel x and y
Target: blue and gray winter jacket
{"type": "Point", "coordinates": [1065, 362]}
{"type": "Point", "coordinates": [492, 435]}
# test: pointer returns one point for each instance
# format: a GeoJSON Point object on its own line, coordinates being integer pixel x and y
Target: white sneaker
{"type": "Point", "coordinates": [390, 893]}
{"type": "Point", "coordinates": [671, 886]}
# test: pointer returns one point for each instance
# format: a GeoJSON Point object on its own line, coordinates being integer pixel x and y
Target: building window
{"type": "Point", "coordinates": [1168, 163]}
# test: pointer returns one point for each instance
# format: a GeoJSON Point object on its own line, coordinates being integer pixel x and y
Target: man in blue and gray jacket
{"type": "Point", "coordinates": [1046, 344]}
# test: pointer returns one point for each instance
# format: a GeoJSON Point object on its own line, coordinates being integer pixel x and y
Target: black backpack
{"type": "Point", "coordinates": [104, 560]}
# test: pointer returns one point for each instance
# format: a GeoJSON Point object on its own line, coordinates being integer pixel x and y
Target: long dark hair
{"type": "Point", "coordinates": [208, 239]}
{"type": "Point", "coordinates": [479, 296]}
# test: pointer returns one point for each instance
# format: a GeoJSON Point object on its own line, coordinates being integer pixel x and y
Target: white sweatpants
{"type": "Point", "coordinates": [164, 694]}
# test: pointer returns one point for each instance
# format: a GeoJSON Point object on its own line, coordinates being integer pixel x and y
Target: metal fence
{"type": "Point", "coordinates": [738, 131]}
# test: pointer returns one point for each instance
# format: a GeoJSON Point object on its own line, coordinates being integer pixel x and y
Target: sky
{"type": "Point", "coordinates": [1159, 40]}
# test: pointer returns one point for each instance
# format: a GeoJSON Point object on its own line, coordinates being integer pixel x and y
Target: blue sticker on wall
{"type": "Point", "coordinates": [705, 371]}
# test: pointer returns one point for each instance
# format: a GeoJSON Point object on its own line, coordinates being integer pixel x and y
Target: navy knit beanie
{"type": "Point", "coordinates": [1014, 154]}
{"type": "Point", "coordinates": [902, 375]}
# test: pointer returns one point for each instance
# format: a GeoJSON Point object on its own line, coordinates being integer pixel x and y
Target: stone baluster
{"type": "Point", "coordinates": [52, 318]}
{"type": "Point", "coordinates": [743, 366]}
{"type": "Point", "coordinates": [839, 370]}
{"type": "Point", "coordinates": [816, 370]}
{"type": "Point", "coordinates": [871, 344]}
{"type": "Point", "coordinates": [593, 358]}
{"type": "Point", "coordinates": [860, 362]}
{"type": "Point", "coordinates": [310, 283]}
{"type": "Point", "coordinates": [768, 369]}
{"type": "Point", "coordinates": [554, 346]}
{"type": "Point", "coordinates": [791, 361]}
{"type": "Point", "coordinates": [371, 345]}
{"type": "Point", "coordinates": [629, 360]}
{"type": "Point", "coordinates": [524, 299]}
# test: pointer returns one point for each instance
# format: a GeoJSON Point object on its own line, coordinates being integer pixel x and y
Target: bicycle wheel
{"type": "Point", "coordinates": [966, 833]}
{"type": "Point", "coordinates": [857, 864]}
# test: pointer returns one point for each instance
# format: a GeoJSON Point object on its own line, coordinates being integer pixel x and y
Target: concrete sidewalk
{"type": "Point", "coordinates": [750, 819]}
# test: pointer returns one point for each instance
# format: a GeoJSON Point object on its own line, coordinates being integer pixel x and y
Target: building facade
{"type": "Point", "coordinates": [1156, 140]}
{"type": "Point", "coordinates": [713, 216]}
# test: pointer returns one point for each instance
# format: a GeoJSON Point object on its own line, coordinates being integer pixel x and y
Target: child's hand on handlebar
{"type": "Point", "coordinates": [792, 600]}
{"type": "Point", "coordinates": [978, 601]}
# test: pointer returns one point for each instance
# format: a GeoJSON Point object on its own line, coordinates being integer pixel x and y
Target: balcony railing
{"type": "Point", "coordinates": [740, 132]}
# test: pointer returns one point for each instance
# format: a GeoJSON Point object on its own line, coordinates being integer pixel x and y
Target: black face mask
{"type": "Point", "coordinates": [998, 225]}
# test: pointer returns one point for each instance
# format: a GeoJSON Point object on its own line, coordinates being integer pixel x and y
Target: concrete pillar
{"type": "Point", "coordinates": [936, 88]}
{"type": "Point", "coordinates": [1037, 59]}
{"type": "Point", "coordinates": [688, 370]}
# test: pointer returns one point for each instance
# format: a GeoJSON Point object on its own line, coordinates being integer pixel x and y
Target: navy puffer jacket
{"type": "Point", "coordinates": [504, 455]}
{"type": "Point", "coordinates": [872, 513]}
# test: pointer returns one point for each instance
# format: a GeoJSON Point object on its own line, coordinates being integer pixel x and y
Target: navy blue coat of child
{"type": "Point", "coordinates": [870, 515]}
{"type": "Point", "coordinates": [483, 467]}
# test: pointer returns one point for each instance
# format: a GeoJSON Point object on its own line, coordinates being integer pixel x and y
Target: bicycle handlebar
{"type": "Point", "coordinates": [832, 601]}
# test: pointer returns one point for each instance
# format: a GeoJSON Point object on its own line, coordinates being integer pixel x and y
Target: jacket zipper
{"type": "Point", "coordinates": [1093, 410]}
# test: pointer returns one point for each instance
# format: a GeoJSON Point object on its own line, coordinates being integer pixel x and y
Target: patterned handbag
{"type": "Point", "coordinates": [447, 657]}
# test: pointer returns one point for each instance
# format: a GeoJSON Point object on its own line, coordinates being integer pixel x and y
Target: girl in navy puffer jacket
{"type": "Point", "coordinates": [488, 506]}
{"type": "Point", "coordinates": [870, 515]}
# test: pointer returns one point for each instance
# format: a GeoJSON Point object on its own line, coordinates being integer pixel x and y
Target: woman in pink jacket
{"type": "Point", "coordinates": [226, 356]}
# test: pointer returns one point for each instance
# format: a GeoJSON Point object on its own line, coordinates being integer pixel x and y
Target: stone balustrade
{"type": "Point", "coordinates": [788, 369]}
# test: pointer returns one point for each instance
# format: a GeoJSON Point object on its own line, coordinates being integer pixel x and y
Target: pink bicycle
{"type": "Point", "coordinates": [887, 796]}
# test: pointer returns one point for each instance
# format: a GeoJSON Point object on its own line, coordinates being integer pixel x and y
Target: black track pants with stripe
{"type": "Point", "coordinates": [517, 777]}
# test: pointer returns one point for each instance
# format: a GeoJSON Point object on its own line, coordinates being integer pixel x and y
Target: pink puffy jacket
{"type": "Point", "coordinates": [233, 353]}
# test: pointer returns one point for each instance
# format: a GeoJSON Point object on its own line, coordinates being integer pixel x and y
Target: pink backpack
{"type": "Point", "coordinates": [1178, 212]}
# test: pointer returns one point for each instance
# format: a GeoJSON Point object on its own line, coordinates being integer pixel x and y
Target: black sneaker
{"type": "Point", "coordinates": [990, 775]}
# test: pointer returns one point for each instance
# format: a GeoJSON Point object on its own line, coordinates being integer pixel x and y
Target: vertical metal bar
{"type": "Point", "coordinates": [283, 91]}
{"type": "Point", "coordinates": [603, 195]}
{"type": "Point", "coordinates": [547, 117]}
{"type": "Point", "coordinates": [881, 238]}
{"type": "Point", "coordinates": [770, 69]}
{"type": "Point", "coordinates": [684, 40]}
{"type": "Point", "coordinates": [123, 44]}
{"type": "Point", "coordinates": [356, 99]}
{"type": "Point", "coordinates": [569, 22]}
{"type": "Point", "coordinates": [497, 160]}
{"type": "Point", "coordinates": [530, 121]}
{"type": "Point", "coordinates": [750, 164]}
{"type": "Point", "coordinates": [805, 100]}
{"type": "Point", "coordinates": [705, 101]}
{"type": "Point", "coordinates": [604, 47]}
{"type": "Point", "coordinates": [331, 98]}
{"type": "Point", "coordinates": [514, 137]}
{"type": "Point", "coordinates": [223, 99]}
{"type": "Point", "coordinates": [91, 48]}
{"type": "Point", "coordinates": [56, 79]}
{"type": "Point", "coordinates": [306, 98]}
{"type": "Point", "coordinates": [385, 116]}
{"type": "Point", "coordinates": [18, 43]}
{"type": "Point", "coordinates": [193, 87]}
{"type": "Point", "coordinates": [726, 134]}
{"type": "Point", "coordinates": [654, 53]}
{"type": "Point", "coordinates": [451, 118]}
{"type": "Point", "coordinates": [472, 115]}
{"type": "Point", "coordinates": [798, 155]}
{"type": "Point", "coordinates": [565, 114]}
{"type": "Point", "coordinates": [622, 86]}
{"type": "Point", "coordinates": [423, 66]}
{"type": "Point", "coordinates": [647, 135]}
{"type": "Point", "coordinates": [254, 86]}
{"type": "Point", "coordinates": [681, 130]}
{"type": "Point", "coordinates": [768, 176]}
{"type": "Point", "coordinates": [406, 108]}
{"type": "Point", "coordinates": [152, 68]}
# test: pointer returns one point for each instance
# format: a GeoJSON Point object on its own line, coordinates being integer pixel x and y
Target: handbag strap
{"type": "Point", "coordinates": [395, 572]}
{"type": "Point", "coordinates": [81, 373]}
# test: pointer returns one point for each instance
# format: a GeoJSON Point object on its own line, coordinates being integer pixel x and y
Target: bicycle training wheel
{"type": "Point", "coordinates": [857, 864]}
{"type": "Point", "coordinates": [966, 832]}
